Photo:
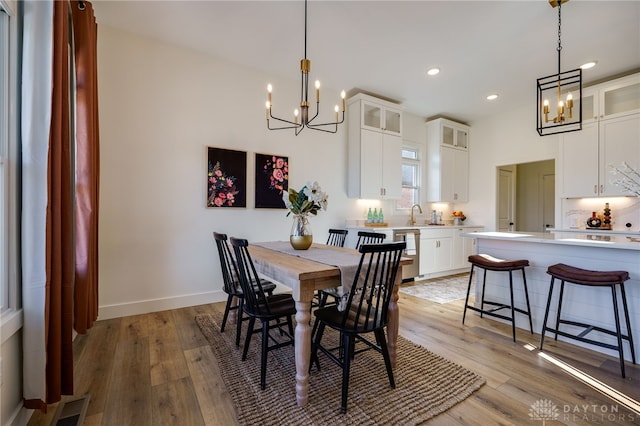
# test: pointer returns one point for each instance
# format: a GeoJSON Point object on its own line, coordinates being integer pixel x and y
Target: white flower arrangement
{"type": "Point", "coordinates": [629, 179]}
{"type": "Point", "coordinates": [309, 199]}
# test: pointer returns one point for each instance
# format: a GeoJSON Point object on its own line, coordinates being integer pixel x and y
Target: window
{"type": "Point", "coordinates": [4, 166]}
{"type": "Point", "coordinates": [410, 177]}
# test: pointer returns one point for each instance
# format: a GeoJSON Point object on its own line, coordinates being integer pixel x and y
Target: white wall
{"type": "Point", "coordinates": [160, 107]}
{"type": "Point", "coordinates": [507, 138]}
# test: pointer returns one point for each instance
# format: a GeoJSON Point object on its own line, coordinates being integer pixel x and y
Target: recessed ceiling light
{"type": "Point", "coordinates": [433, 71]}
{"type": "Point", "coordinates": [492, 97]}
{"type": "Point", "coordinates": [588, 65]}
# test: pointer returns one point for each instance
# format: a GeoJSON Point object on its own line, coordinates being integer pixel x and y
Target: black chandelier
{"type": "Point", "coordinates": [301, 117]}
{"type": "Point", "coordinates": [562, 84]}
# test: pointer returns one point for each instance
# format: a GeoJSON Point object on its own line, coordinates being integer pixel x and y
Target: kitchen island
{"type": "Point", "coordinates": [585, 304]}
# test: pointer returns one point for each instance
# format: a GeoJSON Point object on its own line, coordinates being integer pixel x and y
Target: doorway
{"type": "Point", "coordinates": [526, 196]}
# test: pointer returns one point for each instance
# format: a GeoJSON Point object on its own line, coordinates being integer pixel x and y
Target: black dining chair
{"type": "Point", "coordinates": [231, 285]}
{"type": "Point", "coordinates": [365, 311]}
{"type": "Point", "coordinates": [369, 237]}
{"type": "Point", "coordinates": [364, 237]}
{"type": "Point", "coordinates": [337, 237]}
{"type": "Point", "coordinates": [258, 305]}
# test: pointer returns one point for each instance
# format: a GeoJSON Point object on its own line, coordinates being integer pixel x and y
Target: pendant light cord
{"type": "Point", "coordinates": [559, 33]}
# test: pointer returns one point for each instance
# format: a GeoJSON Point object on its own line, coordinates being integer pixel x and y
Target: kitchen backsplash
{"type": "Point", "coordinates": [624, 210]}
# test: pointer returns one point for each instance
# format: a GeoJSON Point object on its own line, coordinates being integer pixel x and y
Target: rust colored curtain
{"type": "Point", "coordinates": [85, 34]}
{"type": "Point", "coordinates": [59, 221]}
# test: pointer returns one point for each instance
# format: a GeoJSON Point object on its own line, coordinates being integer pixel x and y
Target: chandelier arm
{"type": "Point", "coordinates": [559, 34]}
{"type": "Point", "coordinates": [326, 124]}
{"type": "Point", "coordinates": [293, 125]}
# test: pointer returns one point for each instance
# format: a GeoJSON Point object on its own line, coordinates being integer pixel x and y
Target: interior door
{"type": "Point", "coordinates": [506, 199]}
{"type": "Point", "coordinates": [548, 201]}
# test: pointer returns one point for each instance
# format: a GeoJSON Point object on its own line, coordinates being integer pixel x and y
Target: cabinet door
{"type": "Point", "coordinates": [620, 98]}
{"type": "Point", "coordinates": [454, 175]}
{"type": "Point", "coordinates": [371, 116]}
{"type": "Point", "coordinates": [371, 164]}
{"type": "Point", "coordinates": [427, 255]}
{"type": "Point", "coordinates": [444, 254]}
{"type": "Point", "coordinates": [393, 121]}
{"type": "Point", "coordinates": [392, 167]}
{"type": "Point", "coordinates": [579, 162]}
{"type": "Point", "coordinates": [619, 142]}
{"type": "Point", "coordinates": [460, 176]}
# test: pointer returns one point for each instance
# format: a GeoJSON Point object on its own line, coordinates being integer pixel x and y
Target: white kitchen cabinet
{"type": "Point", "coordinates": [609, 136]}
{"type": "Point", "coordinates": [586, 156]}
{"type": "Point", "coordinates": [463, 247]}
{"type": "Point", "coordinates": [374, 148]}
{"type": "Point", "coordinates": [436, 250]}
{"type": "Point", "coordinates": [614, 98]}
{"type": "Point", "coordinates": [447, 167]}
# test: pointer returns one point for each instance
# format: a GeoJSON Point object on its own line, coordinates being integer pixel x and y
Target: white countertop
{"type": "Point", "coordinates": [392, 228]}
{"type": "Point", "coordinates": [597, 231]}
{"type": "Point", "coordinates": [615, 241]}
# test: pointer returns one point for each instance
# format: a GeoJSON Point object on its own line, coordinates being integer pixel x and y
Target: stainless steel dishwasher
{"type": "Point", "coordinates": [412, 238]}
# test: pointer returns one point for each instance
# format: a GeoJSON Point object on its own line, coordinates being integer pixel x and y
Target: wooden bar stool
{"type": "Point", "coordinates": [489, 263]}
{"type": "Point", "coordinates": [611, 279]}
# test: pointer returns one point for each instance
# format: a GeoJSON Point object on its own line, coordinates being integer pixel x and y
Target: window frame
{"type": "Point", "coordinates": [10, 311]}
{"type": "Point", "coordinates": [417, 163]}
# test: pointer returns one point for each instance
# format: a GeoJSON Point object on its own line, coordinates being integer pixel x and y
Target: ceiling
{"type": "Point", "coordinates": [385, 47]}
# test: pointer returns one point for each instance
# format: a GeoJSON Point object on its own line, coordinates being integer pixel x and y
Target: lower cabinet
{"type": "Point", "coordinates": [463, 247]}
{"type": "Point", "coordinates": [436, 250]}
{"type": "Point", "coordinates": [444, 250]}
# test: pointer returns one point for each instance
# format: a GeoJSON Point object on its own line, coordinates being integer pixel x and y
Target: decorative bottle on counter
{"type": "Point", "coordinates": [369, 216]}
{"type": "Point", "coordinates": [606, 218]}
{"type": "Point", "coordinates": [380, 216]}
{"type": "Point", "coordinates": [594, 221]}
{"type": "Point", "coordinates": [375, 215]}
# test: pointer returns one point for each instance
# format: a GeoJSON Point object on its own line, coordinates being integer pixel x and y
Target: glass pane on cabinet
{"type": "Point", "coordinates": [626, 98]}
{"type": "Point", "coordinates": [462, 139]}
{"type": "Point", "coordinates": [392, 121]}
{"type": "Point", "coordinates": [588, 108]}
{"type": "Point", "coordinates": [371, 115]}
{"type": "Point", "coordinates": [447, 135]}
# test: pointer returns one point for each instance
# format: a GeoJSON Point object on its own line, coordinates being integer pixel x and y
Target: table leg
{"type": "Point", "coordinates": [302, 350]}
{"type": "Point", "coordinates": [394, 320]}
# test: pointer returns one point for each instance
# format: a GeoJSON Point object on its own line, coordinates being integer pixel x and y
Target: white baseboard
{"type": "Point", "coordinates": [161, 304]}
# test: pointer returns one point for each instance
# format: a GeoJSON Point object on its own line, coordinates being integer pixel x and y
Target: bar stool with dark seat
{"type": "Point", "coordinates": [490, 263]}
{"type": "Point", "coordinates": [584, 277]}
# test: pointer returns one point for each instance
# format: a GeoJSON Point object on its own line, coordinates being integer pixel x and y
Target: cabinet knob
{"type": "Point", "coordinates": [601, 189]}
{"type": "Point", "coordinates": [595, 189]}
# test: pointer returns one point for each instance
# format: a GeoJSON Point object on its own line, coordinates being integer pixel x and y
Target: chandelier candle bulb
{"type": "Point", "coordinates": [570, 104]}
{"type": "Point", "coordinates": [545, 108]}
{"type": "Point", "coordinates": [343, 95]}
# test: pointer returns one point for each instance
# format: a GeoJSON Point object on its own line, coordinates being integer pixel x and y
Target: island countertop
{"type": "Point", "coordinates": [613, 241]}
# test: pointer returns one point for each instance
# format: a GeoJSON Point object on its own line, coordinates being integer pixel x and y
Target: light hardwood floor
{"type": "Point", "coordinates": [157, 369]}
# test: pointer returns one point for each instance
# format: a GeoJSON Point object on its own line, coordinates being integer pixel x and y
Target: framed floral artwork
{"type": "Point", "coordinates": [272, 179]}
{"type": "Point", "coordinates": [226, 178]}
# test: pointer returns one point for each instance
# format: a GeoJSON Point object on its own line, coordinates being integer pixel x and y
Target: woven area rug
{"type": "Point", "coordinates": [426, 384]}
{"type": "Point", "coordinates": [441, 290]}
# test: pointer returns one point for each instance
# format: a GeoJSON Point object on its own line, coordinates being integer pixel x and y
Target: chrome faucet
{"type": "Point", "coordinates": [412, 221]}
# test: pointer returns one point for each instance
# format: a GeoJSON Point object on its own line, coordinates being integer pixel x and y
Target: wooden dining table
{"type": "Point", "coordinates": [304, 277]}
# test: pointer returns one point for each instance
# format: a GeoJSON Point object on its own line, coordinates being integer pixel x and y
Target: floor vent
{"type": "Point", "coordinates": [71, 412]}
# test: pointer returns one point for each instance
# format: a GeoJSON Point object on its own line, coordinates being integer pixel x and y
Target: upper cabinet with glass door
{"type": "Point", "coordinates": [615, 98]}
{"type": "Point", "coordinates": [452, 134]}
{"type": "Point", "coordinates": [377, 115]}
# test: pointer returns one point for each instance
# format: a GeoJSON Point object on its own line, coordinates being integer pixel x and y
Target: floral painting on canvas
{"type": "Point", "coordinates": [272, 180]}
{"type": "Point", "coordinates": [226, 178]}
